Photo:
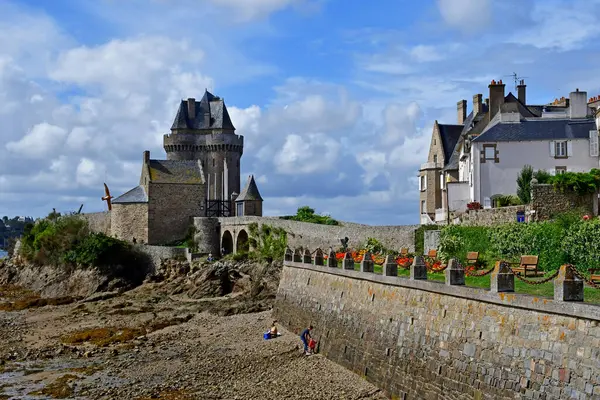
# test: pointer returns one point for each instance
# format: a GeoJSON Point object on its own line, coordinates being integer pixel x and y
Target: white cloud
{"type": "Point", "coordinates": [561, 25]}
{"type": "Point", "coordinates": [466, 15]}
{"type": "Point", "coordinates": [306, 155]}
{"type": "Point", "coordinates": [246, 10]}
{"type": "Point", "coordinates": [43, 140]}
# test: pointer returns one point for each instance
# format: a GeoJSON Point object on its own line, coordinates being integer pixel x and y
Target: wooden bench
{"type": "Point", "coordinates": [473, 259]}
{"type": "Point", "coordinates": [594, 275]}
{"type": "Point", "coordinates": [528, 266]}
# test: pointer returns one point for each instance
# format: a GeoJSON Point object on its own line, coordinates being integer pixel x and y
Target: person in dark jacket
{"type": "Point", "coordinates": [305, 337]}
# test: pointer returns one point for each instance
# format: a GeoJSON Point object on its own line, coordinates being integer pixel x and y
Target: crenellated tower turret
{"type": "Point", "coordinates": [203, 131]}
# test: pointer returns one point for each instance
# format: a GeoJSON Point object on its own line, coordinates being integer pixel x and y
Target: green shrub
{"type": "Point", "coordinates": [66, 241]}
{"type": "Point", "coordinates": [456, 241]}
{"type": "Point", "coordinates": [267, 242]}
{"type": "Point", "coordinates": [524, 184]}
{"type": "Point", "coordinates": [582, 244]}
{"type": "Point", "coordinates": [581, 183]}
{"type": "Point", "coordinates": [307, 214]}
{"type": "Point", "coordinates": [542, 176]}
{"type": "Point", "coordinates": [508, 200]}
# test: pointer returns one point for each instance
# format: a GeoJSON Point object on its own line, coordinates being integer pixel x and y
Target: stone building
{"type": "Point", "coordinates": [199, 179]}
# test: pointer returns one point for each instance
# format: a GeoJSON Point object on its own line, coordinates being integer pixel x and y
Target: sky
{"type": "Point", "coordinates": [336, 99]}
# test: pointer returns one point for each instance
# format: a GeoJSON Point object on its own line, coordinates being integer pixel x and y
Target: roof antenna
{"type": "Point", "coordinates": [516, 78]}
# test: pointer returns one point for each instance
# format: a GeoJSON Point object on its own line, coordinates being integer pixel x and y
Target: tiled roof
{"type": "Point", "coordinates": [209, 104]}
{"type": "Point", "coordinates": [449, 135]}
{"type": "Point", "coordinates": [542, 129]}
{"type": "Point", "coordinates": [176, 171]}
{"type": "Point", "coordinates": [135, 195]}
{"type": "Point", "coordinates": [250, 191]}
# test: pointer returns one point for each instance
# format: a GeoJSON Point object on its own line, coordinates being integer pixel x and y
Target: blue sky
{"type": "Point", "coordinates": [336, 99]}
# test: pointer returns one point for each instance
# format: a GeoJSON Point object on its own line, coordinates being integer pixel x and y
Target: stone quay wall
{"type": "Point", "coordinates": [98, 222]}
{"type": "Point", "coordinates": [419, 339]}
{"type": "Point", "coordinates": [325, 236]}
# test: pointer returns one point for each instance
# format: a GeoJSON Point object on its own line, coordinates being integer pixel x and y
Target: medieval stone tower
{"type": "Point", "coordinates": [203, 131]}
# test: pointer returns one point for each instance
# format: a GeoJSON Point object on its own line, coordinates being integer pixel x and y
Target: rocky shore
{"type": "Point", "coordinates": [189, 332]}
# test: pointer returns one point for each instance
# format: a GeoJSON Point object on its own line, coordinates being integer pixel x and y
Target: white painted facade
{"type": "Point", "coordinates": [492, 178]}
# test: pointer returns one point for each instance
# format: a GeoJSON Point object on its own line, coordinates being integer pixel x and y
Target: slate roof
{"type": "Point", "coordinates": [250, 191]}
{"type": "Point", "coordinates": [471, 122]}
{"type": "Point", "coordinates": [513, 104]}
{"type": "Point", "coordinates": [449, 135]}
{"type": "Point", "coordinates": [176, 171]}
{"type": "Point", "coordinates": [209, 104]}
{"type": "Point", "coordinates": [542, 129]}
{"type": "Point", "coordinates": [135, 195]}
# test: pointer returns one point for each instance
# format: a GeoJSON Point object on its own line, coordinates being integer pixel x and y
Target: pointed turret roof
{"type": "Point", "coordinates": [210, 106]}
{"type": "Point", "coordinates": [250, 191]}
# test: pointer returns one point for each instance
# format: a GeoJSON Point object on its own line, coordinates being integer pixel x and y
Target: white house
{"type": "Point", "coordinates": [502, 135]}
{"type": "Point", "coordinates": [563, 138]}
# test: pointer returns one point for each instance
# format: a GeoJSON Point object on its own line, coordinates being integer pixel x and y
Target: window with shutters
{"type": "Point", "coordinates": [594, 143]}
{"type": "Point", "coordinates": [560, 149]}
{"type": "Point", "coordinates": [560, 170]}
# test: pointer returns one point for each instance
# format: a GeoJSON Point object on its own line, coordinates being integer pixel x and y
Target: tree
{"type": "Point", "coordinates": [524, 184]}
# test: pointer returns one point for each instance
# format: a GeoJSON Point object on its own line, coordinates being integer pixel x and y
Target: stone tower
{"type": "Point", "coordinates": [203, 131]}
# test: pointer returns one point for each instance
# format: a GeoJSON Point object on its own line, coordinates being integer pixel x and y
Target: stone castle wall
{"type": "Point", "coordinates": [547, 201]}
{"type": "Point", "coordinates": [130, 221]}
{"type": "Point", "coordinates": [421, 339]}
{"type": "Point", "coordinates": [325, 236]}
{"type": "Point", "coordinates": [171, 209]}
{"type": "Point", "coordinates": [160, 253]}
{"type": "Point", "coordinates": [207, 236]}
{"type": "Point", "coordinates": [99, 222]}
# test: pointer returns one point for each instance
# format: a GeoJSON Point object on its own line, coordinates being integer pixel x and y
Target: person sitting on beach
{"type": "Point", "coordinates": [305, 337]}
{"type": "Point", "coordinates": [273, 330]}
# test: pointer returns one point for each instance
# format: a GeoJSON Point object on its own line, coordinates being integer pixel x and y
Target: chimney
{"type": "Point", "coordinates": [496, 97]}
{"type": "Point", "coordinates": [477, 104]}
{"type": "Point", "coordinates": [521, 91]}
{"type": "Point", "coordinates": [146, 157]}
{"type": "Point", "coordinates": [578, 107]}
{"type": "Point", "coordinates": [191, 105]}
{"type": "Point", "coordinates": [487, 102]}
{"type": "Point", "coordinates": [461, 109]}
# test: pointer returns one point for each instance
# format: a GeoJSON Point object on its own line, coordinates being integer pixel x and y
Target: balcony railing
{"type": "Point", "coordinates": [431, 165]}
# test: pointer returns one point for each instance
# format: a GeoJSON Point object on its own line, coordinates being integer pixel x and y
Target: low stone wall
{"type": "Point", "coordinates": [159, 253]}
{"type": "Point", "coordinates": [547, 201]}
{"type": "Point", "coordinates": [325, 236]}
{"type": "Point", "coordinates": [492, 216]}
{"type": "Point", "coordinates": [98, 222]}
{"type": "Point", "coordinates": [425, 340]}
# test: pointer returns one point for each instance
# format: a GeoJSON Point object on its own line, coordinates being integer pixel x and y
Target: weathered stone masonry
{"type": "Point", "coordinates": [426, 340]}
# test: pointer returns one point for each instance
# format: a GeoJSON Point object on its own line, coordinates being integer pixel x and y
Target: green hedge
{"type": "Point", "coordinates": [555, 242]}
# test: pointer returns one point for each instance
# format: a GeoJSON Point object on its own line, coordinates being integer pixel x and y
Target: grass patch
{"type": "Point", "coordinates": [34, 302]}
{"type": "Point", "coordinates": [590, 295]}
{"type": "Point", "coordinates": [103, 337]}
{"type": "Point", "coordinates": [59, 389]}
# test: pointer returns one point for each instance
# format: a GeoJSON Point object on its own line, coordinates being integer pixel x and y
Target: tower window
{"type": "Point", "coordinates": [213, 162]}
